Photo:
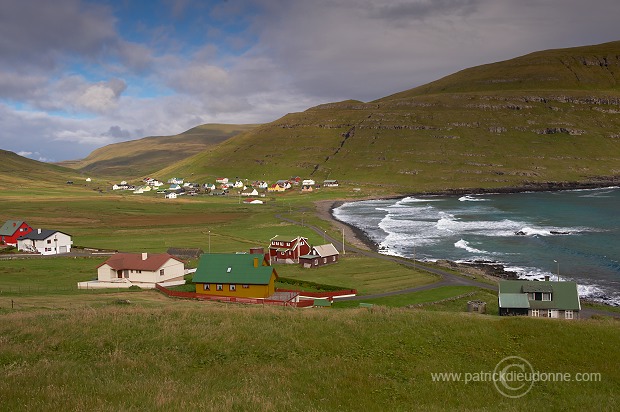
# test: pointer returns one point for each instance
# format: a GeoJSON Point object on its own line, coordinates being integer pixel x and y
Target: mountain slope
{"type": "Point", "coordinates": [476, 128]}
{"type": "Point", "coordinates": [20, 172]}
{"type": "Point", "coordinates": [137, 158]}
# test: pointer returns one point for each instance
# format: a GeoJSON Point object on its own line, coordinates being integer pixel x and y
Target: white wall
{"type": "Point", "coordinates": [56, 243]}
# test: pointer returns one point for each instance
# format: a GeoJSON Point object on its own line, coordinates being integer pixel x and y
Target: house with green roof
{"type": "Point", "coordinates": [247, 275]}
{"type": "Point", "coordinates": [539, 299]}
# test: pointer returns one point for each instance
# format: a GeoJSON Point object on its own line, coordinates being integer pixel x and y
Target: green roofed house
{"type": "Point", "coordinates": [539, 299]}
{"type": "Point", "coordinates": [246, 275]}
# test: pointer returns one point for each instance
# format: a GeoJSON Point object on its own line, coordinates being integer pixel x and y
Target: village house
{"type": "Point", "coordinates": [307, 189]}
{"type": "Point", "coordinates": [308, 182]}
{"type": "Point", "coordinates": [175, 180]}
{"type": "Point", "coordinates": [247, 275]}
{"type": "Point", "coordinates": [250, 191]}
{"type": "Point", "coordinates": [284, 183]}
{"type": "Point", "coordinates": [171, 195]}
{"type": "Point", "coordinates": [221, 180]}
{"type": "Point", "coordinates": [276, 188]}
{"type": "Point", "coordinates": [45, 242]}
{"type": "Point", "coordinates": [123, 270]}
{"type": "Point", "coordinates": [286, 249]}
{"type": "Point", "coordinates": [253, 202]}
{"type": "Point", "coordinates": [12, 230]}
{"type": "Point", "coordinates": [539, 299]}
{"type": "Point", "coordinates": [319, 256]}
{"type": "Point", "coordinates": [330, 183]}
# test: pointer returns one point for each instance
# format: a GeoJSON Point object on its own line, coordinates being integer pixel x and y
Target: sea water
{"type": "Point", "coordinates": [570, 235]}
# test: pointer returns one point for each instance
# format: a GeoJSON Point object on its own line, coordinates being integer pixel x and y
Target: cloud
{"type": "Point", "coordinates": [117, 133]}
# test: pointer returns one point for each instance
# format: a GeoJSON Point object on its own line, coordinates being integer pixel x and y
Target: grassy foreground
{"type": "Point", "coordinates": [182, 355]}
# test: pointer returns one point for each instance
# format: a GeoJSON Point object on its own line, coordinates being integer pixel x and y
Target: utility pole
{"type": "Point", "coordinates": [344, 252]}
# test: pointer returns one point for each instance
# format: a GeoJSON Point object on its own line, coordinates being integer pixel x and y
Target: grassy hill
{"type": "Point", "coordinates": [548, 116]}
{"type": "Point", "coordinates": [19, 172]}
{"type": "Point", "coordinates": [137, 158]}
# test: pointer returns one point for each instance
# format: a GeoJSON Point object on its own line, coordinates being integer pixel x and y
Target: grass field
{"type": "Point", "coordinates": [68, 349]}
{"type": "Point", "coordinates": [182, 355]}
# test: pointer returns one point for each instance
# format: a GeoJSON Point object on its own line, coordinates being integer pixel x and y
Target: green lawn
{"type": "Point", "coordinates": [425, 296]}
{"type": "Point", "coordinates": [365, 274]}
{"type": "Point", "coordinates": [169, 355]}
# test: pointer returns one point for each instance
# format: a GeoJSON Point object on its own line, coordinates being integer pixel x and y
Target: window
{"type": "Point", "coordinates": [549, 313]}
{"type": "Point", "coordinates": [316, 262]}
{"type": "Point", "coordinates": [232, 288]}
{"type": "Point", "coordinates": [568, 314]}
{"type": "Point", "coordinates": [535, 313]}
{"type": "Point", "coordinates": [49, 241]}
{"type": "Point", "coordinates": [161, 272]}
{"type": "Point", "coordinates": [246, 286]}
{"type": "Point", "coordinates": [546, 296]}
{"type": "Point", "coordinates": [333, 258]}
{"type": "Point", "coordinates": [48, 249]}
{"type": "Point", "coordinates": [206, 286]}
{"type": "Point", "coordinates": [324, 260]}
{"type": "Point", "coordinates": [219, 287]}
{"type": "Point", "coordinates": [530, 296]}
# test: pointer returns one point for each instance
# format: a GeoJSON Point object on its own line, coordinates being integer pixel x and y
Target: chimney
{"type": "Point", "coordinates": [14, 224]}
{"type": "Point", "coordinates": [255, 262]}
{"type": "Point", "coordinates": [145, 255]}
{"type": "Point", "coordinates": [39, 231]}
{"type": "Point", "coordinates": [546, 278]}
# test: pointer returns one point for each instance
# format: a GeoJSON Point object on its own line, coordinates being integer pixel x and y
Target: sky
{"type": "Point", "coordinates": [77, 75]}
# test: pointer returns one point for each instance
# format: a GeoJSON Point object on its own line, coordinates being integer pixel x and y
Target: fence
{"type": "Point", "coordinates": [330, 295]}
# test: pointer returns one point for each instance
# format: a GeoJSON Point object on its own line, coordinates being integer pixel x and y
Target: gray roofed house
{"type": "Point", "coordinates": [539, 299]}
{"type": "Point", "coordinates": [319, 256]}
{"type": "Point", "coordinates": [45, 242]}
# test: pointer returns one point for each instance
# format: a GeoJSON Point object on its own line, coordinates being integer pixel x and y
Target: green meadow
{"type": "Point", "coordinates": [67, 349]}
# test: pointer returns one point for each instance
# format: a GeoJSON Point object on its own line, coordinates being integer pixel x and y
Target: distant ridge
{"type": "Point", "coordinates": [549, 116]}
{"type": "Point", "coordinates": [137, 158]}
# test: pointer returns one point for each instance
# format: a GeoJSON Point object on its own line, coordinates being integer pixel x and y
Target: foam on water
{"type": "Point", "coordinates": [469, 198]}
{"type": "Point", "coordinates": [463, 244]}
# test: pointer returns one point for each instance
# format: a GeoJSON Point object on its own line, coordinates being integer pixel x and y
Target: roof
{"type": "Point", "coordinates": [536, 287]}
{"type": "Point", "coordinates": [564, 295]}
{"type": "Point", "coordinates": [322, 302]}
{"type": "Point", "coordinates": [280, 238]}
{"type": "Point", "coordinates": [513, 300]}
{"type": "Point", "coordinates": [233, 268]}
{"type": "Point", "coordinates": [326, 250]}
{"type": "Point", "coordinates": [10, 227]}
{"type": "Point", "coordinates": [44, 234]}
{"type": "Point", "coordinates": [134, 261]}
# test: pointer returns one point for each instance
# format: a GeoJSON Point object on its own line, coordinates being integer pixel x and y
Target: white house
{"type": "Point", "coordinates": [45, 242]}
{"type": "Point", "coordinates": [172, 195]}
{"type": "Point", "coordinates": [308, 182]}
{"type": "Point", "coordinates": [174, 186]}
{"type": "Point", "coordinates": [175, 180]}
{"type": "Point", "coordinates": [221, 180]}
{"type": "Point", "coordinates": [250, 191]}
{"type": "Point", "coordinates": [88, 179]}
{"type": "Point", "coordinates": [253, 202]}
{"type": "Point", "coordinates": [123, 270]}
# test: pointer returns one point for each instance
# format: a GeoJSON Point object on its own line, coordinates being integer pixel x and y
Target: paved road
{"type": "Point", "coordinates": [445, 278]}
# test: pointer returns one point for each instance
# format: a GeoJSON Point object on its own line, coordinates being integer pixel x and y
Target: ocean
{"type": "Point", "coordinates": [570, 235]}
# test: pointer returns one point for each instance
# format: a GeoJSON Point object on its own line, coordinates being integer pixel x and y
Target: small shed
{"type": "Point", "coordinates": [477, 306]}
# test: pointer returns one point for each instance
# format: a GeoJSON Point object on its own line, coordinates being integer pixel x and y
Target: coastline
{"type": "Point", "coordinates": [492, 271]}
{"type": "Point", "coordinates": [360, 239]}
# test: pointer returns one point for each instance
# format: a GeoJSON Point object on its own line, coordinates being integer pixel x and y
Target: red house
{"type": "Point", "coordinates": [285, 249]}
{"type": "Point", "coordinates": [13, 229]}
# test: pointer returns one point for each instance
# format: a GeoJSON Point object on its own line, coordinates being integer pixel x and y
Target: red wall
{"type": "Point", "coordinates": [12, 240]}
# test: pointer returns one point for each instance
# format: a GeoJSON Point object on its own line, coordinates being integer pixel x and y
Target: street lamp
{"type": "Point", "coordinates": [558, 274]}
{"type": "Point", "coordinates": [209, 242]}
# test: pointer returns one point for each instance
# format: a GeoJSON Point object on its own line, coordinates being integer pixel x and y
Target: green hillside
{"type": "Point", "coordinates": [137, 158]}
{"type": "Point", "coordinates": [545, 117]}
{"type": "Point", "coordinates": [20, 172]}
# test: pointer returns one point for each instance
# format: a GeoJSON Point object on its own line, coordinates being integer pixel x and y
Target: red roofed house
{"type": "Point", "coordinates": [285, 249]}
{"type": "Point", "coordinates": [12, 229]}
{"type": "Point", "coordinates": [139, 269]}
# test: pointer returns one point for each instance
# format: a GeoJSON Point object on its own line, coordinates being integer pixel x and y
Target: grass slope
{"type": "Point", "coordinates": [169, 355]}
{"type": "Point", "coordinates": [17, 171]}
{"type": "Point", "coordinates": [548, 116]}
{"type": "Point", "coordinates": [137, 158]}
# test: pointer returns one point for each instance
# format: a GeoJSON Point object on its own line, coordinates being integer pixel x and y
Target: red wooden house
{"type": "Point", "coordinates": [284, 249]}
{"type": "Point", "coordinates": [13, 229]}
